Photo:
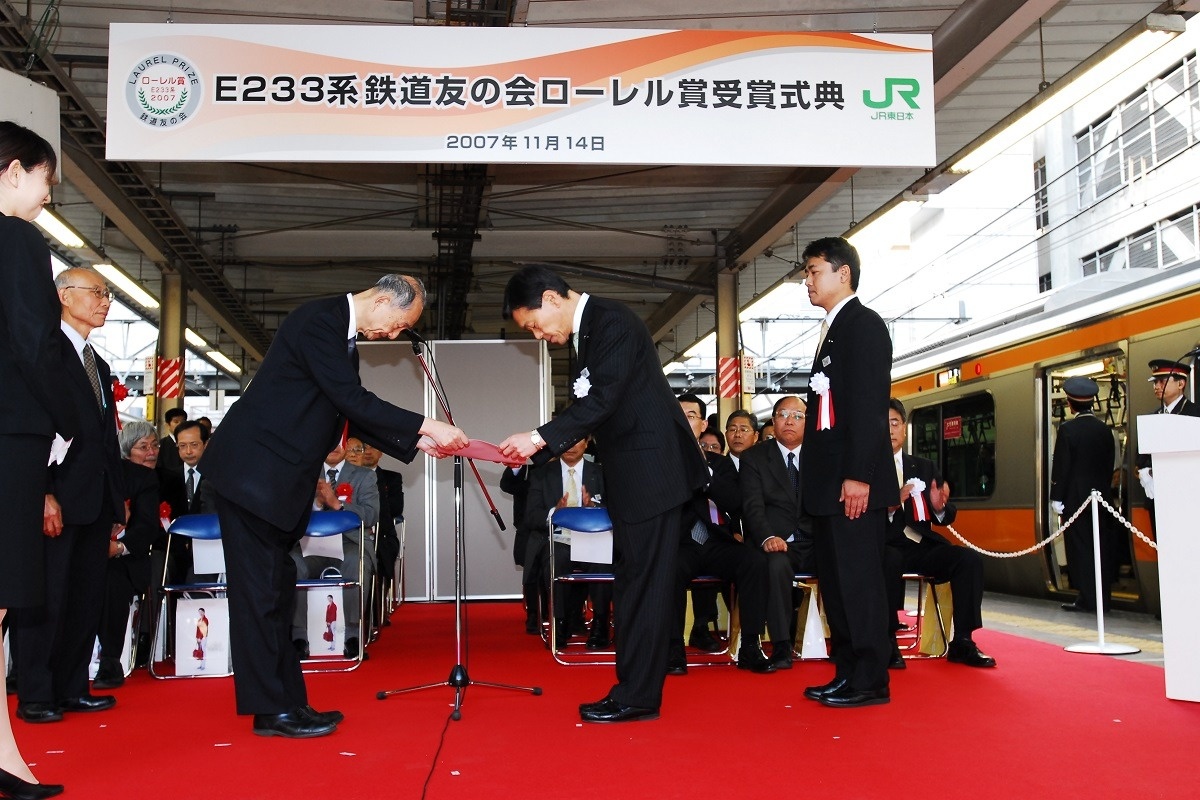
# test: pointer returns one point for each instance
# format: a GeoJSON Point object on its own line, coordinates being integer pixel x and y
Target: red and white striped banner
{"type": "Point", "coordinates": [729, 383]}
{"type": "Point", "coordinates": [170, 378]}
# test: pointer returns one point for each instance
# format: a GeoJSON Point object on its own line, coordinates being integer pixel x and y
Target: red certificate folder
{"type": "Point", "coordinates": [480, 450]}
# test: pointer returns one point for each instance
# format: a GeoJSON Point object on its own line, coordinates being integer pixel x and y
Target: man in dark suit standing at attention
{"type": "Point", "coordinates": [652, 465]}
{"type": "Point", "coordinates": [262, 464]}
{"type": "Point", "coordinates": [847, 480]}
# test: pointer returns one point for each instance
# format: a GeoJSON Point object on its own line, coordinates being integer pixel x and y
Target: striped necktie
{"type": "Point", "coordinates": [89, 366]}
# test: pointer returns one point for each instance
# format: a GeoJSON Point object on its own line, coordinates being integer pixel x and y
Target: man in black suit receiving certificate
{"type": "Point", "coordinates": [652, 465]}
{"type": "Point", "coordinates": [847, 480]}
{"type": "Point", "coordinates": [263, 461]}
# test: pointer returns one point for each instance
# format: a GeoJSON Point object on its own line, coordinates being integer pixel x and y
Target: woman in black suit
{"type": "Point", "coordinates": [29, 314]}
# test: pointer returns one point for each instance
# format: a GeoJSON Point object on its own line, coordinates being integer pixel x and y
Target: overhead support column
{"type": "Point", "coordinates": [727, 344]}
{"type": "Point", "coordinates": [170, 345]}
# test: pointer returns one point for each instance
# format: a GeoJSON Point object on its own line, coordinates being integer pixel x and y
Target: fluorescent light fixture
{"type": "Point", "coordinates": [1090, 368]}
{"type": "Point", "coordinates": [125, 283]}
{"type": "Point", "coordinates": [671, 366]}
{"type": "Point", "coordinates": [194, 339]}
{"type": "Point", "coordinates": [223, 360]}
{"type": "Point", "coordinates": [47, 221]}
{"type": "Point", "coordinates": [1156, 30]}
{"type": "Point", "coordinates": [886, 223]}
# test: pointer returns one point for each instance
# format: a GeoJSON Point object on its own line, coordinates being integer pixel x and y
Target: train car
{"type": "Point", "coordinates": [986, 405]}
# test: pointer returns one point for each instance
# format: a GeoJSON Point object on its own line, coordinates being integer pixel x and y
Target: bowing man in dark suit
{"type": "Point", "coordinates": [651, 465]}
{"type": "Point", "coordinates": [262, 463]}
{"type": "Point", "coordinates": [53, 643]}
{"type": "Point", "coordinates": [847, 482]}
{"type": "Point", "coordinates": [570, 480]}
{"type": "Point", "coordinates": [708, 546]}
{"type": "Point", "coordinates": [914, 546]}
{"type": "Point", "coordinates": [775, 523]}
{"type": "Point", "coordinates": [1084, 457]}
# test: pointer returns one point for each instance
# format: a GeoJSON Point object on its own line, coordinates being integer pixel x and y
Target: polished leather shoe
{"type": "Point", "coordinates": [301, 647]}
{"type": "Point", "coordinates": [351, 648]}
{"type": "Point", "coordinates": [702, 639]}
{"type": "Point", "coordinates": [293, 725]}
{"type": "Point", "coordinates": [817, 692]}
{"type": "Point", "coordinates": [598, 640]}
{"type": "Point", "coordinates": [848, 697]}
{"type": "Point", "coordinates": [13, 787]}
{"type": "Point", "coordinates": [1077, 607]}
{"type": "Point", "coordinates": [755, 661]}
{"type": "Point", "coordinates": [39, 712]}
{"type": "Point", "coordinates": [897, 661]}
{"type": "Point", "coordinates": [594, 706]}
{"type": "Point", "coordinates": [88, 702]}
{"type": "Point", "coordinates": [612, 711]}
{"type": "Point", "coordinates": [781, 656]}
{"type": "Point", "coordinates": [675, 667]}
{"type": "Point", "coordinates": [322, 717]}
{"type": "Point", "coordinates": [109, 675]}
{"type": "Point", "coordinates": [968, 653]}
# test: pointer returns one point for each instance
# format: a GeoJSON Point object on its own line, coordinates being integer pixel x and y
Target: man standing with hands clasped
{"type": "Point", "coordinates": [652, 465]}
{"type": "Point", "coordinates": [262, 461]}
{"type": "Point", "coordinates": [847, 480]}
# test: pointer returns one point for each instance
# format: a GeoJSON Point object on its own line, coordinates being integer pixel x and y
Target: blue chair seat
{"type": "Point", "coordinates": [331, 523]}
{"type": "Point", "coordinates": [584, 519]}
{"type": "Point", "coordinates": [197, 526]}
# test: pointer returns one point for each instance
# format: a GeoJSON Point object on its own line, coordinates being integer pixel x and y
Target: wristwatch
{"type": "Point", "coordinates": [537, 439]}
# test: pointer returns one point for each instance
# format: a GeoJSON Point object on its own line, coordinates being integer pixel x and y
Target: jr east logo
{"type": "Point", "coordinates": [898, 100]}
{"type": "Point", "coordinates": [163, 90]}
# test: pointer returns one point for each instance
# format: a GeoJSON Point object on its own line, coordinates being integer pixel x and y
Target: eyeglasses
{"type": "Point", "coordinates": [142, 446]}
{"type": "Point", "coordinates": [786, 415]}
{"type": "Point", "coordinates": [738, 429]}
{"type": "Point", "coordinates": [895, 423]}
{"type": "Point", "coordinates": [97, 292]}
{"type": "Point", "coordinates": [356, 450]}
{"type": "Point", "coordinates": [692, 415]}
{"type": "Point", "coordinates": [712, 447]}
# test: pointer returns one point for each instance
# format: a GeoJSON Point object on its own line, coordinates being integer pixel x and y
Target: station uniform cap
{"type": "Point", "coordinates": [1162, 368]}
{"type": "Point", "coordinates": [1080, 388]}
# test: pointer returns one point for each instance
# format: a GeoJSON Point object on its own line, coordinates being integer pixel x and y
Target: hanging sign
{"type": "Point", "coordinates": [488, 95]}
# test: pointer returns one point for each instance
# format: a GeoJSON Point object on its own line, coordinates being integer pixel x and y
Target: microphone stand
{"type": "Point", "coordinates": [458, 679]}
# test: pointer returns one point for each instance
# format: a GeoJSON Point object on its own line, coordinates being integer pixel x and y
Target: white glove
{"type": "Point", "coordinates": [58, 449]}
{"type": "Point", "coordinates": [1057, 506]}
{"type": "Point", "coordinates": [1147, 481]}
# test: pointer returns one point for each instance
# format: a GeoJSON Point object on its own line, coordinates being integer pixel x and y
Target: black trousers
{"type": "Point", "coordinates": [963, 568]}
{"type": "Point", "coordinates": [850, 566]}
{"type": "Point", "coordinates": [262, 596]}
{"type": "Point", "coordinates": [125, 578]}
{"type": "Point", "coordinates": [799, 558]}
{"type": "Point", "coordinates": [643, 605]}
{"type": "Point", "coordinates": [52, 643]}
{"type": "Point", "coordinates": [730, 561]}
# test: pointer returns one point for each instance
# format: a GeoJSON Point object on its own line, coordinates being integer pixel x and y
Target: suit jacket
{"type": "Point", "coordinates": [769, 506]}
{"type": "Point", "coordinates": [269, 447]}
{"type": "Point", "coordinates": [173, 488]}
{"type": "Point", "coordinates": [857, 358]}
{"type": "Point", "coordinates": [364, 491]}
{"type": "Point", "coordinates": [923, 468]}
{"type": "Point", "coordinates": [30, 337]}
{"type": "Point", "coordinates": [391, 505]}
{"type": "Point", "coordinates": [142, 526]}
{"type": "Point", "coordinates": [92, 472]}
{"type": "Point", "coordinates": [546, 489]}
{"type": "Point", "coordinates": [1084, 454]}
{"type": "Point", "coordinates": [168, 456]}
{"type": "Point", "coordinates": [725, 491]}
{"type": "Point", "coordinates": [649, 452]}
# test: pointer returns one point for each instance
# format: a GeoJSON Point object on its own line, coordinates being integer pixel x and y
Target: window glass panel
{"type": "Point", "coordinates": [960, 437]}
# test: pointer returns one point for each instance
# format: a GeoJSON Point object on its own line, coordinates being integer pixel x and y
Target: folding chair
{"type": "Point", "coordinates": [927, 638]}
{"type": "Point", "coordinates": [584, 521]}
{"type": "Point", "coordinates": [323, 524]}
{"type": "Point", "coordinates": [204, 533]}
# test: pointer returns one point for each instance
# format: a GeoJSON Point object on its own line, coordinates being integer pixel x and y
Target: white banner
{"type": "Point", "coordinates": [491, 95]}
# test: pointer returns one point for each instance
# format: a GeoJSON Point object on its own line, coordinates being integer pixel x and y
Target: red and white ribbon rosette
{"type": "Point", "coordinates": [164, 514]}
{"type": "Point", "coordinates": [819, 383]}
{"type": "Point", "coordinates": [920, 511]}
{"type": "Point", "coordinates": [344, 492]}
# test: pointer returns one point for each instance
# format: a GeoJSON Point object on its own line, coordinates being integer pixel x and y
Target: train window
{"type": "Point", "coordinates": [960, 437]}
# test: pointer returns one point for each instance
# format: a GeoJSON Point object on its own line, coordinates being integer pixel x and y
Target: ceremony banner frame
{"type": "Point", "coordinates": [519, 95]}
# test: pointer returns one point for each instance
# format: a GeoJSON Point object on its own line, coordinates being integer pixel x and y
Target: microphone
{"type": "Point", "coordinates": [1195, 351]}
{"type": "Point", "coordinates": [416, 339]}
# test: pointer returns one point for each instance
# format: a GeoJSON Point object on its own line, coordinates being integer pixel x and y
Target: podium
{"type": "Point", "coordinates": [1174, 442]}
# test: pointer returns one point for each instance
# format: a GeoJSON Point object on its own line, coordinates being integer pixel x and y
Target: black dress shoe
{"type": "Point", "coordinates": [968, 653]}
{"type": "Point", "coordinates": [39, 712]}
{"type": "Point", "coordinates": [301, 646]}
{"type": "Point", "coordinates": [612, 711]}
{"type": "Point", "coordinates": [322, 717]}
{"type": "Point", "coordinates": [753, 660]}
{"type": "Point", "coordinates": [817, 692]}
{"type": "Point", "coordinates": [1076, 607]}
{"type": "Point", "coordinates": [702, 639]}
{"type": "Point", "coordinates": [781, 656]}
{"type": "Point", "coordinates": [13, 787]}
{"type": "Point", "coordinates": [109, 675]}
{"type": "Point", "coordinates": [597, 705]}
{"type": "Point", "coordinates": [676, 659]}
{"type": "Point", "coordinates": [351, 648]}
{"type": "Point", "coordinates": [88, 702]}
{"type": "Point", "coordinates": [293, 725]}
{"type": "Point", "coordinates": [848, 697]}
{"type": "Point", "coordinates": [598, 640]}
{"type": "Point", "coordinates": [897, 661]}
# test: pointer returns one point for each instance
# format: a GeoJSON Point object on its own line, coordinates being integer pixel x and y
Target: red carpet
{"type": "Point", "coordinates": [1044, 723]}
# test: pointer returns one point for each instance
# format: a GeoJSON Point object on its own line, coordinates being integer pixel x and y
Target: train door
{"type": "Point", "coordinates": [1110, 373]}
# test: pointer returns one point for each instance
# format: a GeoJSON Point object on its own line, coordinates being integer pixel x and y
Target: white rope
{"type": "Point", "coordinates": [1061, 529]}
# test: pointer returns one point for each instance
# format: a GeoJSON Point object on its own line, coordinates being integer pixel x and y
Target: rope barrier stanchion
{"type": "Point", "coordinates": [1100, 646]}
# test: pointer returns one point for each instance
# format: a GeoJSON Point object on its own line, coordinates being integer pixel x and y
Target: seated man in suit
{"type": "Point", "coordinates": [391, 511]}
{"type": "Point", "coordinates": [773, 520]}
{"type": "Point", "coordinates": [913, 546]}
{"type": "Point", "coordinates": [570, 480]}
{"type": "Point", "coordinates": [342, 486]}
{"type": "Point", "coordinates": [515, 481]}
{"type": "Point", "coordinates": [741, 433]}
{"type": "Point", "coordinates": [707, 547]}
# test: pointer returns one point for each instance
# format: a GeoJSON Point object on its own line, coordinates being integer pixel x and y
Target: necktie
{"type": "Point", "coordinates": [351, 345]}
{"type": "Point", "coordinates": [699, 532]}
{"type": "Point", "coordinates": [793, 473]}
{"type": "Point", "coordinates": [89, 366]}
{"type": "Point", "coordinates": [821, 338]}
{"type": "Point", "coordinates": [191, 484]}
{"type": "Point", "coordinates": [572, 488]}
{"type": "Point", "coordinates": [900, 473]}
{"type": "Point", "coordinates": [332, 475]}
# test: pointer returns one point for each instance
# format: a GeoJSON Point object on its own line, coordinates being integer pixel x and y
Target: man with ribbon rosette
{"type": "Point", "coordinates": [913, 545]}
{"type": "Point", "coordinates": [847, 483]}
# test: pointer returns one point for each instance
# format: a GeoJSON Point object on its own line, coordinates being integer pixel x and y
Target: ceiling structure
{"type": "Point", "coordinates": [253, 240]}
